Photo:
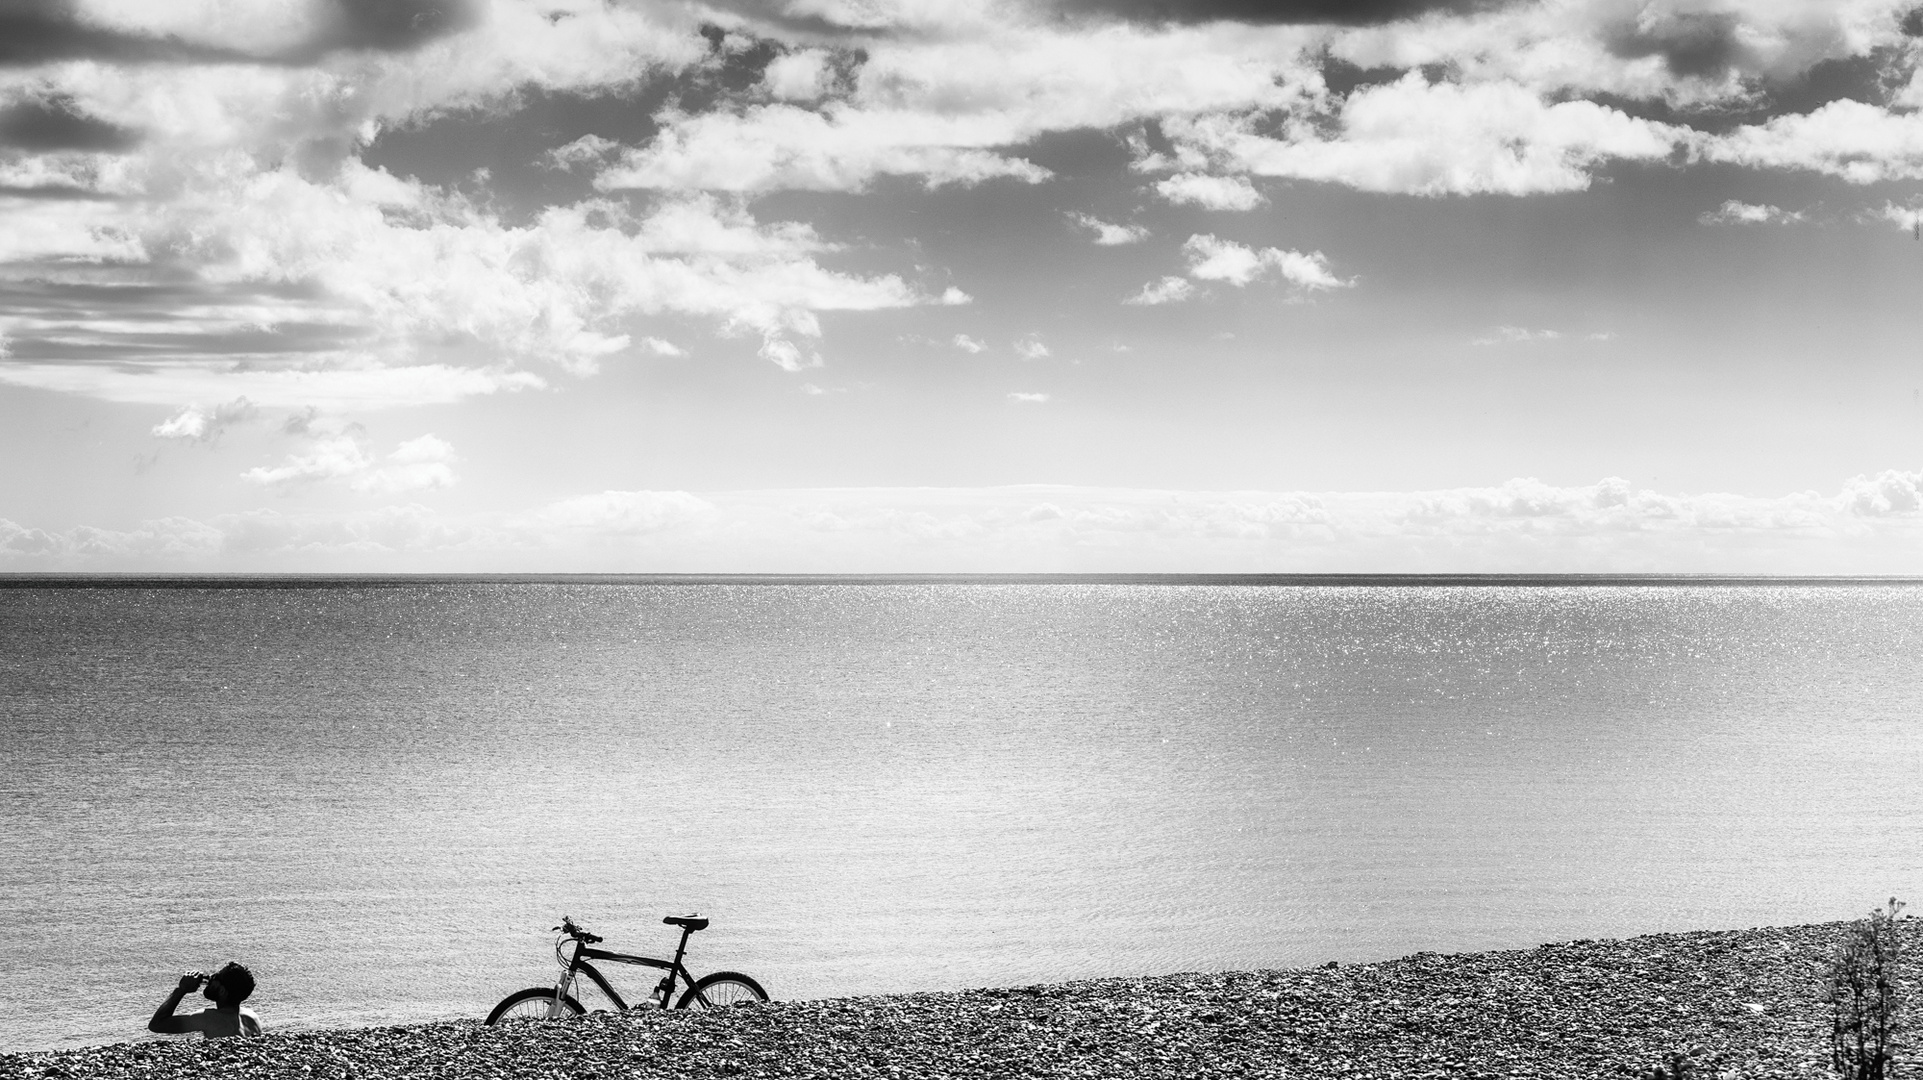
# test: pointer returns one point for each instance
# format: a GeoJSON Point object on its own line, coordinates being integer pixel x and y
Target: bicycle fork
{"type": "Point", "coordinates": [561, 990]}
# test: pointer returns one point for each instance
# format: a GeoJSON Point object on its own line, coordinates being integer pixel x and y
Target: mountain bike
{"type": "Point", "coordinates": [719, 990]}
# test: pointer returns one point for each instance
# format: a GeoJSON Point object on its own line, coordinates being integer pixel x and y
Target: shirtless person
{"type": "Point", "coordinates": [226, 988]}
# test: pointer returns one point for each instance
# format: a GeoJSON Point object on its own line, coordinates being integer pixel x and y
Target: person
{"type": "Point", "coordinates": [226, 988]}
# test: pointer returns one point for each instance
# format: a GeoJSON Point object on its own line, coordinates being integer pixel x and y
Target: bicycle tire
{"type": "Point", "coordinates": [534, 1003]}
{"type": "Point", "coordinates": [721, 990]}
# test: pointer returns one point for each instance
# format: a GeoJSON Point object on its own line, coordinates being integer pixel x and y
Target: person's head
{"type": "Point", "coordinates": [230, 985]}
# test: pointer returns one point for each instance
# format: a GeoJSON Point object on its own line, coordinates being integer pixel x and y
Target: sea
{"type": "Point", "coordinates": [381, 794]}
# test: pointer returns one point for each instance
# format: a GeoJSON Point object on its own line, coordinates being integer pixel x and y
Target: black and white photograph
{"type": "Point", "coordinates": [961, 539]}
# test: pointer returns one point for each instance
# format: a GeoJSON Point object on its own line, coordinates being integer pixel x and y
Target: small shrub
{"type": "Point", "coordinates": [1863, 995]}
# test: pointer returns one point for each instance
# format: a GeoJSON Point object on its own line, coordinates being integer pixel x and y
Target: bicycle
{"type": "Point", "coordinates": [719, 990]}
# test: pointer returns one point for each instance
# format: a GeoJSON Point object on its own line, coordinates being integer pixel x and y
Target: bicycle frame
{"type": "Point", "coordinates": [584, 954]}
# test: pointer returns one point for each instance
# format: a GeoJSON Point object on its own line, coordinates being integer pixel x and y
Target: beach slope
{"type": "Point", "coordinates": [1743, 1003]}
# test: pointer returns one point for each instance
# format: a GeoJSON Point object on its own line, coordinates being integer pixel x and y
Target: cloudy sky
{"type": "Point", "coordinates": [961, 285]}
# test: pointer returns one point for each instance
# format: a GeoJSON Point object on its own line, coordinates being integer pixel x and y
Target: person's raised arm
{"type": "Point", "coordinates": [164, 1021]}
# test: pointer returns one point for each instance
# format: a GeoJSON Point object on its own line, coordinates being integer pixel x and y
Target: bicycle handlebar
{"type": "Point", "coordinates": [577, 933]}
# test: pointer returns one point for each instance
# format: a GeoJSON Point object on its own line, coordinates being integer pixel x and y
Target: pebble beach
{"type": "Point", "coordinates": [1741, 1003]}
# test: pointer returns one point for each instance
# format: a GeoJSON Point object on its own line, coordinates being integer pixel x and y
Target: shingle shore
{"type": "Point", "coordinates": [1747, 1002]}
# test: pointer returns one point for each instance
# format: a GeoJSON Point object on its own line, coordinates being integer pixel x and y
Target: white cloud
{"type": "Point", "coordinates": [661, 347]}
{"type": "Point", "coordinates": [1734, 212]}
{"type": "Point", "coordinates": [798, 76]}
{"type": "Point", "coordinates": [418, 464]}
{"type": "Point", "coordinates": [1020, 397]}
{"type": "Point", "coordinates": [1211, 258]}
{"type": "Point", "coordinates": [1872, 525]}
{"type": "Point", "coordinates": [1416, 137]}
{"type": "Point", "coordinates": [346, 390]}
{"type": "Point", "coordinates": [1107, 234]}
{"type": "Point", "coordinates": [782, 147]}
{"type": "Point", "coordinates": [194, 424]}
{"type": "Point", "coordinates": [1514, 335]}
{"type": "Point", "coordinates": [334, 458]}
{"type": "Point", "coordinates": [1861, 143]}
{"type": "Point", "coordinates": [789, 357]}
{"type": "Point", "coordinates": [968, 344]}
{"type": "Point", "coordinates": [1169, 290]}
{"type": "Point", "coordinates": [1889, 493]}
{"type": "Point", "coordinates": [587, 150]}
{"type": "Point", "coordinates": [1210, 192]}
{"type": "Point", "coordinates": [1031, 348]}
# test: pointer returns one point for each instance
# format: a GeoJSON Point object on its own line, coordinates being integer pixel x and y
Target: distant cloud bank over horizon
{"type": "Point", "coordinates": [1869, 526]}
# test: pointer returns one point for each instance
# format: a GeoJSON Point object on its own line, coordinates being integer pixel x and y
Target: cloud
{"type": "Point", "coordinates": [1421, 138]}
{"type": "Point", "coordinates": [1863, 144]}
{"type": "Point", "coordinates": [589, 149]}
{"type": "Point", "coordinates": [1031, 348]}
{"type": "Point", "coordinates": [1344, 12]}
{"type": "Point", "coordinates": [1169, 290]}
{"type": "Point", "coordinates": [39, 32]}
{"type": "Point", "coordinates": [194, 424]}
{"type": "Point", "coordinates": [968, 344]}
{"type": "Point", "coordinates": [782, 147]}
{"type": "Point", "coordinates": [804, 75]}
{"type": "Point", "coordinates": [367, 272]}
{"type": "Point", "coordinates": [56, 123]}
{"type": "Point", "coordinates": [1023, 398]}
{"type": "Point", "coordinates": [1733, 212]}
{"type": "Point", "coordinates": [1210, 192]}
{"type": "Point", "coordinates": [1889, 493]}
{"type": "Point", "coordinates": [1109, 235]}
{"type": "Point", "coordinates": [659, 347]}
{"type": "Point", "coordinates": [789, 357]}
{"type": "Point", "coordinates": [1211, 258]}
{"type": "Point", "coordinates": [1515, 335]}
{"type": "Point", "coordinates": [418, 464]}
{"type": "Point", "coordinates": [1871, 525]}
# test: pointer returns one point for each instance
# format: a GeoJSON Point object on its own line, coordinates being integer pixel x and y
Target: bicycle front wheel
{"type": "Point", "coordinates": [722, 990]}
{"type": "Point", "coordinates": [534, 1003]}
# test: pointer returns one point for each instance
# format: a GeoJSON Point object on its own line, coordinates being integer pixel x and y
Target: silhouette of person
{"type": "Point", "coordinates": [226, 988]}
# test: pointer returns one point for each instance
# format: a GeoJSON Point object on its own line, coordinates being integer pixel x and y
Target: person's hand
{"type": "Point", "coordinates": [191, 981]}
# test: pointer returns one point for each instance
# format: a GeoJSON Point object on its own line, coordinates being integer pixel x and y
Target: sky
{"type": "Point", "coordinates": [961, 286]}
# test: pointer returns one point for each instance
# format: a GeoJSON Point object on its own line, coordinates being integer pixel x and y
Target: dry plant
{"type": "Point", "coordinates": [1862, 989]}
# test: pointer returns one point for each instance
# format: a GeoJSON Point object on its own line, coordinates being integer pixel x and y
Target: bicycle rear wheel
{"type": "Point", "coordinates": [534, 1003]}
{"type": "Point", "coordinates": [722, 990]}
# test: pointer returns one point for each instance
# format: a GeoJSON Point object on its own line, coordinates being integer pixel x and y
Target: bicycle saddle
{"type": "Point", "coordinates": [689, 921]}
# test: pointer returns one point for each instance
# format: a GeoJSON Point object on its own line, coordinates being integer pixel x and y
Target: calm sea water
{"type": "Point", "coordinates": [380, 798]}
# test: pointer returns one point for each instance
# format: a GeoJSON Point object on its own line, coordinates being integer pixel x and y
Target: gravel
{"type": "Point", "coordinates": [1743, 1003]}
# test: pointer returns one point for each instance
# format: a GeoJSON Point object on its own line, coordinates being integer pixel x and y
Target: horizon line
{"type": "Point", "coordinates": [241, 580]}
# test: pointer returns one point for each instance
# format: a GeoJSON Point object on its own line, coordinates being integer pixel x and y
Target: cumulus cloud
{"type": "Point", "coordinates": [968, 344]}
{"type": "Point", "coordinates": [418, 464]}
{"type": "Point", "coordinates": [1891, 492]}
{"type": "Point", "coordinates": [1421, 138]}
{"type": "Point", "coordinates": [1734, 212]}
{"type": "Point", "coordinates": [194, 424]}
{"type": "Point", "coordinates": [1031, 348]}
{"type": "Point", "coordinates": [1861, 143]}
{"type": "Point", "coordinates": [803, 75]}
{"type": "Point", "coordinates": [1211, 258]}
{"type": "Point", "coordinates": [1169, 290]}
{"type": "Point", "coordinates": [1020, 397]}
{"type": "Point", "coordinates": [1210, 192]}
{"type": "Point", "coordinates": [1107, 234]}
